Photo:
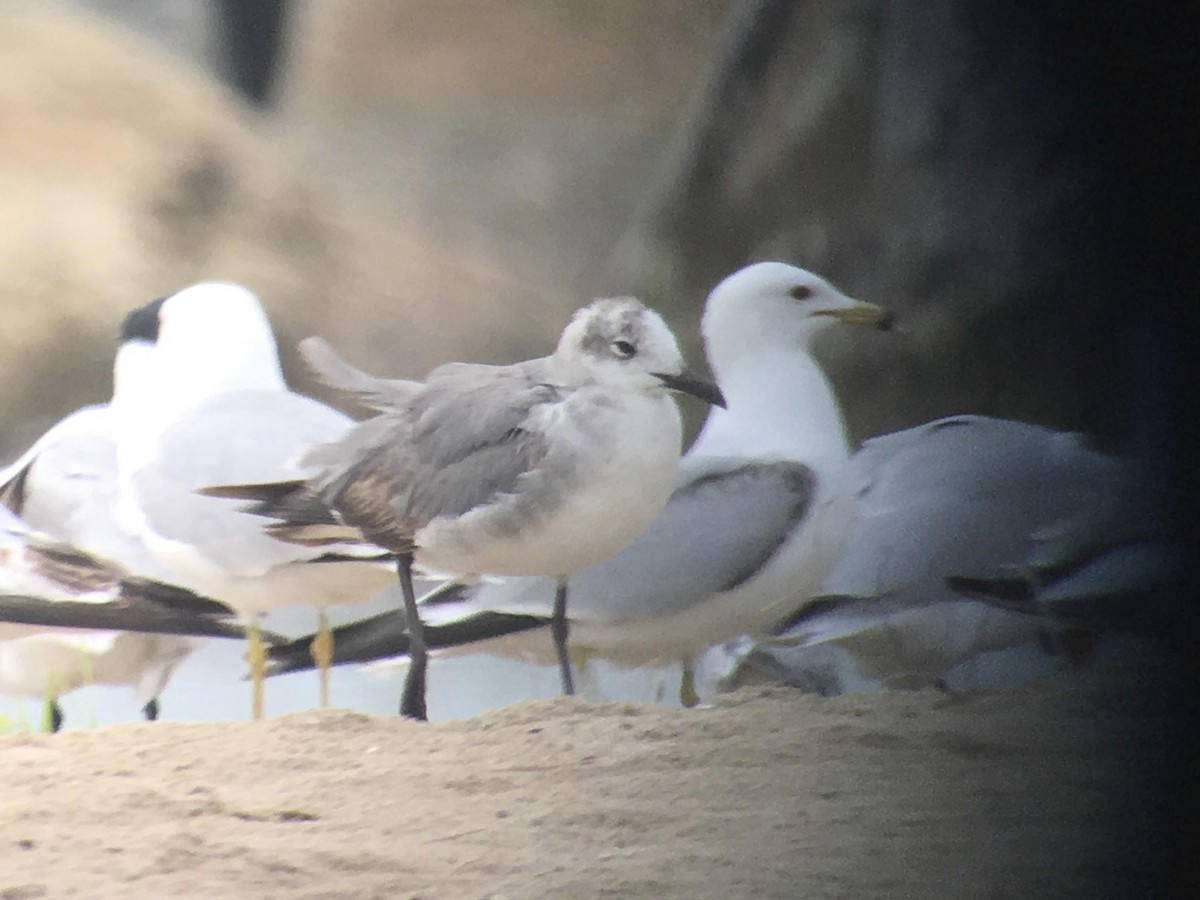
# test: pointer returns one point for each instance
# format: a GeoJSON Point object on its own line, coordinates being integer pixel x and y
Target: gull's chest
{"type": "Point", "coordinates": [630, 460]}
{"type": "Point", "coordinates": [609, 468]}
{"type": "Point", "coordinates": [635, 437]}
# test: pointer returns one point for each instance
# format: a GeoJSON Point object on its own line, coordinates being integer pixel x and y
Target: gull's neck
{"type": "Point", "coordinates": [780, 406]}
{"type": "Point", "coordinates": [153, 389]}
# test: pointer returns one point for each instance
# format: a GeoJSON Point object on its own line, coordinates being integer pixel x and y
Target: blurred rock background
{"type": "Point", "coordinates": [420, 181]}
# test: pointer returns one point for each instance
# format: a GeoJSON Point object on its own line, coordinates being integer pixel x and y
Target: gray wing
{"type": "Point", "coordinates": [243, 437]}
{"type": "Point", "coordinates": [66, 487]}
{"type": "Point", "coordinates": [1024, 516]}
{"type": "Point", "coordinates": [714, 534]}
{"type": "Point", "coordinates": [962, 496]}
{"type": "Point", "coordinates": [985, 459]}
{"type": "Point", "coordinates": [466, 438]}
{"type": "Point", "coordinates": [86, 424]}
{"type": "Point", "coordinates": [1103, 559]}
{"type": "Point", "coordinates": [377, 393]}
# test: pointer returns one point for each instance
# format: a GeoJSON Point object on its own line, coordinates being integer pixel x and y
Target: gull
{"type": "Point", "coordinates": [1111, 562]}
{"type": "Point", "coordinates": [211, 407]}
{"type": "Point", "coordinates": [543, 467]}
{"type": "Point", "coordinates": [65, 486]}
{"type": "Point", "coordinates": [759, 509]}
{"type": "Point", "coordinates": [1052, 534]}
{"type": "Point", "coordinates": [53, 593]}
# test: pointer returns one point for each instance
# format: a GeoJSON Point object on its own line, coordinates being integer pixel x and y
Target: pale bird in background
{"type": "Point", "coordinates": [543, 467]}
{"type": "Point", "coordinates": [1052, 534]}
{"type": "Point", "coordinates": [65, 486]}
{"type": "Point", "coordinates": [211, 407]}
{"type": "Point", "coordinates": [54, 595]}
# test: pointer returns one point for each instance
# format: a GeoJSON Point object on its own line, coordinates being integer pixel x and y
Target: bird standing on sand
{"type": "Point", "coordinates": [211, 407]}
{"type": "Point", "coordinates": [538, 468]}
{"type": "Point", "coordinates": [757, 517]}
{"type": "Point", "coordinates": [65, 486]}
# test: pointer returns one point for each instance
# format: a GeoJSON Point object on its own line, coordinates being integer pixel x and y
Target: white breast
{"type": "Point", "coordinates": [626, 456]}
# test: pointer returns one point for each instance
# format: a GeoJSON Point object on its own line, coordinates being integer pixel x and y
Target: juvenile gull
{"type": "Point", "coordinates": [214, 409]}
{"type": "Point", "coordinates": [539, 468]}
{"type": "Point", "coordinates": [757, 515]}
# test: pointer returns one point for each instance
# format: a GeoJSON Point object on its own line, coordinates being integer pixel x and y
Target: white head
{"type": "Point", "coordinates": [618, 340]}
{"type": "Point", "coordinates": [773, 306]}
{"type": "Point", "coordinates": [207, 338]}
{"type": "Point", "coordinates": [758, 326]}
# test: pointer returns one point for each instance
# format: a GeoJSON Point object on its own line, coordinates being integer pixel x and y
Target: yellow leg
{"type": "Point", "coordinates": [322, 654]}
{"type": "Point", "coordinates": [256, 659]}
{"type": "Point", "coordinates": [687, 687]}
{"type": "Point", "coordinates": [581, 662]}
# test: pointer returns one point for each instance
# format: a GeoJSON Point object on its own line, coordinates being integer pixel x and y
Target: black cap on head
{"type": "Point", "coordinates": [142, 323]}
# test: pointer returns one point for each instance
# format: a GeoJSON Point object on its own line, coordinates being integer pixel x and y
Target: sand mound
{"type": "Point", "coordinates": [1051, 790]}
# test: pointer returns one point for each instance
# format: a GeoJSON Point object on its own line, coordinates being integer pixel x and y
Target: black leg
{"type": "Point", "coordinates": [150, 710]}
{"type": "Point", "coordinates": [412, 701]}
{"type": "Point", "coordinates": [561, 629]}
{"type": "Point", "coordinates": [56, 714]}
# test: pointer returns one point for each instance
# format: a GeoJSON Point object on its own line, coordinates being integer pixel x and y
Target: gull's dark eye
{"type": "Point", "coordinates": [623, 349]}
{"type": "Point", "coordinates": [801, 292]}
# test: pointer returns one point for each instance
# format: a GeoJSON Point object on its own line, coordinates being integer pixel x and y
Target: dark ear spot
{"type": "Point", "coordinates": [801, 292]}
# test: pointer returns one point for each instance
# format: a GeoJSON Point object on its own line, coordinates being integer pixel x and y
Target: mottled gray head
{"type": "Point", "coordinates": [621, 341]}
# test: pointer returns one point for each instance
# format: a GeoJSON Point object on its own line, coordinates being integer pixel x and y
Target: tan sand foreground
{"type": "Point", "coordinates": [1055, 789]}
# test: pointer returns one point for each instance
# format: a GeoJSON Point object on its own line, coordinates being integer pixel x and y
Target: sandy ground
{"type": "Point", "coordinates": [1054, 789]}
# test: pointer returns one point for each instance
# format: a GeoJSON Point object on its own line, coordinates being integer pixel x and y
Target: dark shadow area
{"type": "Point", "coordinates": [252, 45]}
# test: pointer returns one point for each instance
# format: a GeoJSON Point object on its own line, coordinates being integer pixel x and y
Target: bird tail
{"type": "Point", "coordinates": [301, 516]}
